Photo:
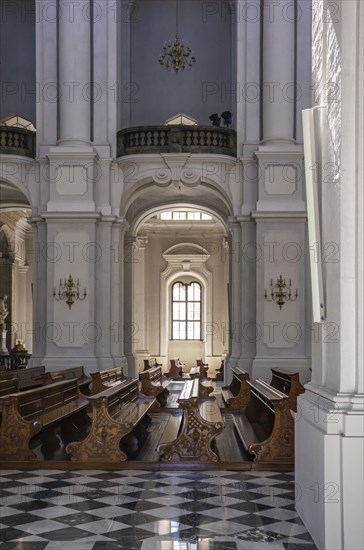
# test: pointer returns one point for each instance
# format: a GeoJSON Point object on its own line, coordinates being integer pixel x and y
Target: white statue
{"type": "Point", "coordinates": [4, 310]}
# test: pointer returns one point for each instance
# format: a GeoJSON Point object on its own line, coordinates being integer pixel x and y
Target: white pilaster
{"type": "Point", "coordinates": [74, 72]}
{"type": "Point", "coordinates": [279, 21]}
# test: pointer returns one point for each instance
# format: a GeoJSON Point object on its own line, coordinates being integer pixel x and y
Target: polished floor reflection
{"type": "Point", "coordinates": [94, 510]}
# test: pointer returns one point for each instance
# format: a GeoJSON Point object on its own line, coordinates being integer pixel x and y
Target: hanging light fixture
{"type": "Point", "coordinates": [177, 56]}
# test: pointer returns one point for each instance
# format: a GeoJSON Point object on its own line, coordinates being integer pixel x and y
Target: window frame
{"type": "Point", "coordinates": [185, 320]}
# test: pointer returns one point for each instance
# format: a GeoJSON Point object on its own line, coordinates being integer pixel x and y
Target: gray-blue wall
{"type": "Point", "coordinates": [17, 58]}
{"type": "Point", "coordinates": [157, 94]}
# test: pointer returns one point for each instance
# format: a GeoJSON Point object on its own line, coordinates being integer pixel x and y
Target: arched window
{"type": "Point", "coordinates": [186, 311]}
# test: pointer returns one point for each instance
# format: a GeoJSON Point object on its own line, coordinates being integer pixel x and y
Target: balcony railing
{"type": "Point", "coordinates": [177, 139]}
{"type": "Point", "coordinates": [17, 141]}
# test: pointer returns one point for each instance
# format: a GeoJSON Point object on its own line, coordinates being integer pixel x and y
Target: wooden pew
{"type": "Point", "coordinates": [192, 440]}
{"type": "Point", "coordinates": [220, 372]}
{"type": "Point", "coordinates": [30, 412]}
{"type": "Point", "coordinates": [68, 374]}
{"type": "Point", "coordinates": [106, 379]}
{"type": "Point", "coordinates": [116, 412]}
{"type": "Point", "coordinates": [288, 382]}
{"type": "Point", "coordinates": [8, 386]}
{"type": "Point", "coordinates": [175, 370]}
{"type": "Point", "coordinates": [198, 372]}
{"type": "Point", "coordinates": [156, 385]}
{"type": "Point", "coordinates": [204, 368]}
{"type": "Point", "coordinates": [29, 377]}
{"type": "Point", "coordinates": [266, 428]}
{"type": "Point", "coordinates": [150, 363]}
{"type": "Point", "coordinates": [236, 396]}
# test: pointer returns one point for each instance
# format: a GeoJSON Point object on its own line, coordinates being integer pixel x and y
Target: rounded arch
{"type": "Point", "coordinates": [147, 213]}
{"type": "Point", "coordinates": [174, 249]}
{"type": "Point", "coordinates": [9, 178]}
{"type": "Point", "coordinates": [6, 242]}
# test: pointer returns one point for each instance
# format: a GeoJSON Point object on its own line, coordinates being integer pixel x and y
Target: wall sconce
{"type": "Point", "coordinates": [280, 292]}
{"type": "Point", "coordinates": [69, 291]}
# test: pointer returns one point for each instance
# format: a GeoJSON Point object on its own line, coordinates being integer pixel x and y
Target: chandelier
{"type": "Point", "coordinates": [177, 56]}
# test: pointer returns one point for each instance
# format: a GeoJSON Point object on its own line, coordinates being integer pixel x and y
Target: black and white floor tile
{"type": "Point", "coordinates": [127, 510]}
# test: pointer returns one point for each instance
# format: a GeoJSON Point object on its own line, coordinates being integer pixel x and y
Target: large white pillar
{"type": "Point", "coordinates": [139, 301]}
{"type": "Point", "coordinates": [279, 23]}
{"type": "Point", "coordinates": [234, 297]}
{"type": "Point", "coordinates": [117, 292]}
{"type": "Point", "coordinates": [248, 293]}
{"type": "Point", "coordinates": [39, 268]}
{"type": "Point", "coordinates": [74, 72]}
{"type": "Point", "coordinates": [330, 423]}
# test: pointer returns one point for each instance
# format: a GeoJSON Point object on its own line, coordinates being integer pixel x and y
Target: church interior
{"type": "Point", "coordinates": [181, 274]}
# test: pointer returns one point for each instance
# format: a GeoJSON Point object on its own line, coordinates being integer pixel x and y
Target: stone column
{"type": "Point", "coordinates": [234, 297]}
{"type": "Point", "coordinates": [130, 330]}
{"type": "Point", "coordinates": [139, 300]}
{"type": "Point", "coordinates": [74, 72]}
{"type": "Point", "coordinates": [38, 257]}
{"type": "Point", "coordinates": [248, 293]}
{"type": "Point", "coordinates": [103, 295]}
{"type": "Point", "coordinates": [279, 22]}
{"type": "Point", "coordinates": [117, 292]}
{"type": "Point", "coordinates": [21, 301]}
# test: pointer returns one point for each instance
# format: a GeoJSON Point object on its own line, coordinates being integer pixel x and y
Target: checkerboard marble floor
{"type": "Point", "coordinates": [135, 509]}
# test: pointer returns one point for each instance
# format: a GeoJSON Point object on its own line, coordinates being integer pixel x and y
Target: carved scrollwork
{"type": "Point", "coordinates": [103, 439]}
{"type": "Point", "coordinates": [193, 444]}
{"type": "Point", "coordinates": [190, 177]}
{"type": "Point", "coordinates": [279, 447]}
{"type": "Point", "coordinates": [16, 432]}
{"type": "Point", "coordinates": [163, 177]}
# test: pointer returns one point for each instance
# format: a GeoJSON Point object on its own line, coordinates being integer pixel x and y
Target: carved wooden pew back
{"type": "Point", "coordinates": [288, 382]}
{"type": "Point", "coordinates": [236, 395]}
{"type": "Point", "coordinates": [8, 386]}
{"type": "Point", "coordinates": [176, 370]}
{"type": "Point", "coordinates": [204, 368]}
{"type": "Point", "coordinates": [266, 427]}
{"type": "Point", "coordinates": [105, 379]}
{"type": "Point", "coordinates": [71, 373]}
{"type": "Point", "coordinates": [27, 413]}
{"type": "Point", "coordinates": [150, 363]}
{"type": "Point", "coordinates": [30, 377]}
{"type": "Point", "coordinates": [155, 384]}
{"type": "Point", "coordinates": [201, 423]}
{"type": "Point", "coordinates": [116, 412]}
{"type": "Point", "coordinates": [199, 372]}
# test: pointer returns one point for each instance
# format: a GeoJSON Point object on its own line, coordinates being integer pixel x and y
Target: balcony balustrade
{"type": "Point", "coordinates": [177, 139]}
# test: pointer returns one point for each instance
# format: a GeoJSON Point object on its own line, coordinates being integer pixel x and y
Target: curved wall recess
{"type": "Point", "coordinates": [179, 265]}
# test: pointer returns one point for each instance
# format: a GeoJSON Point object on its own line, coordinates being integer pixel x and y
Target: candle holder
{"type": "Point", "coordinates": [69, 291]}
{"type": "Point", "coordinates": [280, 292]}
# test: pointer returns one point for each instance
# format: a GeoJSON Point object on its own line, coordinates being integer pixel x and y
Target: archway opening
{"type": "Point", "coordinates": [177, 264]}
{"type": "Point", "coordinates": [16, 276]}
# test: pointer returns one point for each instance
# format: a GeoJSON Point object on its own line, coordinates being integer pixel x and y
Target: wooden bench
{"type": "Point", "coordinates": [191, 441]}
{"type": "Point", "coordinates": [106, 379]}
{"type": "Point", "coordinates": [236, 396]}
{"type": "Point", "coordinates": [204, 391]}
{"type": "Point", "coordinates": [204, 368]}
{"type": "Point", "coordinates": [71, 373]}
{"type": "Point", "coordinates": [8, 386]}
{"type": "Point", "coordinates": [29, 377]}
{"type": "Point", "coordinates": [150, 363]}
{"type": "Point", "coordinates": [116, 412]}
{"type": "Point", "coordinates": [266, 428]}
{"type": "Point", "coordinates": [156, 385]}
{"type": "Point", "coordinates": [220, 372]}
{"type": "Point", "coordinates": [176, 370]}
{"type": "Point", "coordinates": [30, 412]}
{"type": "Point", "coordinates": [288, 382]}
